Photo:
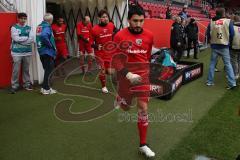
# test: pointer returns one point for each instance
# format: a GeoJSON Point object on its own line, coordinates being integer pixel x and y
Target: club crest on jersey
{"type": "Point", "coordinates": [105, 30]}
{"type": "Point", "coordinates": [139, 42]}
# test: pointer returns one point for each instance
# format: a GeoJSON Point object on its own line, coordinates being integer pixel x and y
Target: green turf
{"type": "Point", "coordinates": [29, 128]}
{"type": "Point", "coordinates": [216, 135]}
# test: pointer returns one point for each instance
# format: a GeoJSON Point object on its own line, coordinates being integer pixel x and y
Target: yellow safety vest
{"type": "Point", "coordinates": [220, 31]}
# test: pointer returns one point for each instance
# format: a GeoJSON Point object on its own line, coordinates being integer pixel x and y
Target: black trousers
{"type": "Point", "coordinates": [48, 66]}
{"type": "Point", "coordinates": [194, 42]}
{"type": "Point", "coordinates": [178, 52]}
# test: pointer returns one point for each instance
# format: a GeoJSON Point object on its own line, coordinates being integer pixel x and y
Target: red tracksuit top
{"type": "Point", "coordinates": [59, 31]}
{"type": "Point", "coordinates": [85, 31]}
{"type": "Point", "coordinates": [101, 35]}
{"type": "Point", "coordinates": [137, 55]}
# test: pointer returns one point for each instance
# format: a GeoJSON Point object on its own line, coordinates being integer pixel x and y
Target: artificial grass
{"type": "Point", "coordinates": [216, 135]}
{"type": "Point", "coordinates": [29, 128]}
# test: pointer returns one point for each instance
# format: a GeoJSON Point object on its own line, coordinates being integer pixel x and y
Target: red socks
{"type": "Point", "coordinates": [82, 64]}
{"type": "Point", "coordinates": [89, 64]}
{"type": "Point", "coordinates": [142, 127]}
{"type": "Point", "coordinates": [102, 78]}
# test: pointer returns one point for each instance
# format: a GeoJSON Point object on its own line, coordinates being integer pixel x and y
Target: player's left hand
{"type": "Point", "coordinates": [134, 78]}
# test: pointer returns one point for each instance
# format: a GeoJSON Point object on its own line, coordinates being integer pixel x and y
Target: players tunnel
{"type": "Point", "coordinates": [73, 11]}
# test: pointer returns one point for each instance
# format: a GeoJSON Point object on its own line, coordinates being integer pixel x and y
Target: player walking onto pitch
{"type": "Point", "coordinates": [84, 29]}
{"type": "Point", "coordinates": [131, 63]}
{"type": "Point", "coordinates": [59, 31]}
{"type": "Point", "coordinates": [102, 33]}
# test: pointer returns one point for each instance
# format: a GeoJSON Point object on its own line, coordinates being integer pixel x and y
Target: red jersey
{"type": "Point", "coordinates": [85, 31]}
{"type": "Point", "coordinates": [101, 35]}
{"type": "Point", "coordinates": [59, 32]}
{"type": "Point", "coordinates": [136, 48]}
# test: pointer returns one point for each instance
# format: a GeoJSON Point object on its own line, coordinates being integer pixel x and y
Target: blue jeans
{"type": "Point", "coordinates": [224, 53]}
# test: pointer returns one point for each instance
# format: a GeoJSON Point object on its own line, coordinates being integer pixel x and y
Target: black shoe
{"type": "Point", "coordinates": [29, 88]}
{"type": "Point", "coordinates": [13, 90]}
{"type": "Point", "coordinates": [231, 87]}
{"type": "Point", "coordinates": [195, 57]}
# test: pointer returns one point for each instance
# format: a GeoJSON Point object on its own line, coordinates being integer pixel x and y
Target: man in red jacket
{"type": "Point", "coordinates": [102, 33]}
{"type": "Point", "coordinates": [131, 63]}
{"type": "Point", "coordinates": [84, 30]}
{"type": "Point", "coordinates": [59, 31]}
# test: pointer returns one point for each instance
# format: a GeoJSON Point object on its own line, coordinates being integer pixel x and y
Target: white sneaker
{"type": "Point", "coordinates": [104, 90]}
{"type": "Point", "coordinates": [146, 151]}
{"type": "Point", "coordinates": [52, 91]}
{"type": "Point", "coordinates": [117, 103]}
{"type": "Point", "coordinates": [44, 91]}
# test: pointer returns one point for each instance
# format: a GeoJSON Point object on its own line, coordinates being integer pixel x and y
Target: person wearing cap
{"type": "Point", "coordinates": [21, 51]}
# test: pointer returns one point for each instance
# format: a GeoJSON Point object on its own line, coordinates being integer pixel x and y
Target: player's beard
{"type": "Point", "coordinates": [103, 24]}
{"type": "Point", "coordinates": [135, 30]}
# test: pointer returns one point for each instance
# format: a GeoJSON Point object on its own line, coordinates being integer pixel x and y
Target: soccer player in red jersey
{"type": "Point", "coordinates": [59, 30]}
{"type": "Point", "coordinates": [131, 62]}
{"type": "Point", "coordinates": [102, 33]}
{"type": "Point", "coordinates": [85, 41]}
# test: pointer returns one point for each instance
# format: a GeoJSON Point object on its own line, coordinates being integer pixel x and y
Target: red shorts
{"type": "Point", "coordinates": [127, 91]}
{"type": "Point", "coordinates": [85, 47]}
{"type": "Point", "coordinates": [103, 62]}
{"type": "Point", "coordinates": [62, 50]}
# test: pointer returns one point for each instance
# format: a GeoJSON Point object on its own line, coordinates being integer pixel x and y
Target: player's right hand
{"type": "Point", "coordinates": [133, 78]}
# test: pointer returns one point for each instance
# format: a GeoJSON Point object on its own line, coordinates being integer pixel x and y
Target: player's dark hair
{"type": "Point", "coordinates": [22, 15]}
{"type": "Point", "coordinates": [135, 9]}
{"type": "Point", "coordinates": [102, 12]}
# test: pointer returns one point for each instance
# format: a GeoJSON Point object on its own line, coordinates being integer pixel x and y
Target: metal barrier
{"type": "Point", "coordinates": [73, 15]}
{"type": "Point", "coordinates": [9, 5]}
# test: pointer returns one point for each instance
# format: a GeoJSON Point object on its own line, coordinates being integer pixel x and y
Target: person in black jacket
{"type": "Point", "coordinates": [176, 39]}
{"type": "Point", "coordinates": [168, 13]}
{"type": "Point", "coordinates": [192, 34]}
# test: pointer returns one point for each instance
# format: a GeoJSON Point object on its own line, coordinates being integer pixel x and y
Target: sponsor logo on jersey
{"type": "Point", "coordinates": [105, 35]}
{"type": "Point", "coordinates": [137, 51]}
